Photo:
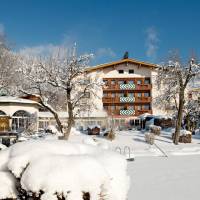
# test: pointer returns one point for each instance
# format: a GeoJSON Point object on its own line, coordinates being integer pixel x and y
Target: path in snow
{"type": "Point", "coordinates": [173, 178]}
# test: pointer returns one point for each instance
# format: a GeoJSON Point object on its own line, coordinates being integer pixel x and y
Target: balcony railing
{"type": "Point", "coordinates": [126, 99]}
{"type": "Point", "coordinates": [127, 112]}
{"type": "Point", "coordinates": [143, 99]}
{"type": "Point", "coordinates": [127, 86]}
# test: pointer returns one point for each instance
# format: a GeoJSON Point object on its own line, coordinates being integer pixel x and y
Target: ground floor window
{"type": "Point", "coordinates": [21, 120]}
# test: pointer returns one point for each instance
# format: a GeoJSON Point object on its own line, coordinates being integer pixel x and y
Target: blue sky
{"type": "Point", "coordinates": [107, 28]}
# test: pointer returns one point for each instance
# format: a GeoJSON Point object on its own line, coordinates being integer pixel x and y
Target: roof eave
{"type": "Point", "coordinates": [102, 66]}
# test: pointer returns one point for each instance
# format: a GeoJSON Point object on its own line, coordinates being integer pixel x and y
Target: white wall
{"type": "Point", "coordinates": [139, 71]}
{"type": "Point", "coordinates": [10, 109]}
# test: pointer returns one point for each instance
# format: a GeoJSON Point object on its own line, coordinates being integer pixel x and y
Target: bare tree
{"type": "Point", "coordinates": [61, 74]}
{"type": "Point", "coordinates": [32, 81]}
{"type": "Point", "coordinates": [7, 64]}
{"type": "Point", "coordinates": [173, 79]}
{"type": "Point", "coordinates": [67, 72]}
{"type": "Point", "coordinates": [191, 114]}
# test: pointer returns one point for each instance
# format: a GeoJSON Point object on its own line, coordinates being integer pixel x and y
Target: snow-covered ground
{"type": "Point", "coordinates": [135, 141]}
{"type": "Point", "coordinates": [155, 176]}
{"type": "Point", "coordinates": [172, 178]}
{"type": "Point", "coordinates": [161, 171]}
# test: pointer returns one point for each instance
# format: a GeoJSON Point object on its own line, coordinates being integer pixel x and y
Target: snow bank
{"type": "Point", "coordinates": [96, 142]}
{"type": "Point", "coordinates": [67, 175]}
{"type": "Point", "coordinates": [2, 147]}
{"type": "Point", "coordinates": [60, 166]}
{"type": "Point", "coordinates": [52, 129]}
{"type": "Point", "coordinates": [185, 132]}
{"type": "Point", "coordinates": [75, 132]}
{"type": "Point", "coordinates": [7, 186]}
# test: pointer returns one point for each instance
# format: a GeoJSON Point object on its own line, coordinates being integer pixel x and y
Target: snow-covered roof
{"type": "Point", "coordinates": [50, 115]}
{"type": "Point", "coordinates": [93, 114]}
{"type": "Point", "coordinates": [128, 60]}
{"type": "Point", "coordinates": [10, 99]}
{"type": "Point", "coordinates": [143, 116]}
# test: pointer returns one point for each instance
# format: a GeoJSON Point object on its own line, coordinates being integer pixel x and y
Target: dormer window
{"type": "Point", "coordinates": [120, 71]}
{"type": "Point", "coordinates": [131, 71]}
{"type": "Point", "coordinates": [147, 81]}
{"type": "Point", "coordinates": [139, 82]}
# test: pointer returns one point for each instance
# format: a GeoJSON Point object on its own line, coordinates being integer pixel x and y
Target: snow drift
{"type": "Point", "coordinates": [61, 168]}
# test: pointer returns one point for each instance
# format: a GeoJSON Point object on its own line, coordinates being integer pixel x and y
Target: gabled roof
{"type": "Point", "coordinates": [11, 99]}
{"type": "Point", "coordinates": [128, 60]}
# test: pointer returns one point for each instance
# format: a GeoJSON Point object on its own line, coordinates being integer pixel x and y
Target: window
{"type": "Point", "coordinates": [147, 81]}
{"type": "Point", "coordinates": [105, 107]}
{"type": "Point", "coordinates": [139, 107]}
{"type": "Point", "coordinates": [131, 71]}
{"type": "Point", "coordinates": [131, 108]}
{"type": "Point", "coordinates": [131, 94]}
{"type": "Point", "coordinates": [139, 82]}
{"type": "Point", "coordinates": [85, 82]}
{"type": "Point", "coordinates": [121, 82]}
{"type": "Point", "coordinates": [147, 94]}
{"type": "Point", "coordinates": [139, 94]}
{"type": "Point", "coordinates": [83, 101]}
{"type": "Point", "coordinates": [87, 95]}
{"type": "Point", "coordinates": [113, 108]}
{"type": "Point", "coordinates": [120, 71]}
{"type": "Point", "coordinates": [113, 94]}
{"type": "Point", "coordinates": [137, 122]}
{"type": "Point", "coordinates": [146, 107]}
{"type": "Point", "coordinates": [131, 82]}
{"type": "Point", "coordinates": [121, 108]}
{"type": "Point", "coordinates": [113, 82]}
{"type": "Point", "coordinates": [105, 94]}
{"type": "Point", "coordinates": [105, 82]}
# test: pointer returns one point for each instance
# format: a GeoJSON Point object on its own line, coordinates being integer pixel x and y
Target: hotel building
{"type": "Point", "coordinates": [128, 89]}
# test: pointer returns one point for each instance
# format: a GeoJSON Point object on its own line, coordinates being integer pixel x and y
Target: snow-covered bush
{"type": "Point", "coordinates": [74, 131]}
{"type": "Point", "coordinates": [53, 130]}
{"type": "Point", "coordinates": [51, 170]}
{"type": "Point", "coordinates": [185, 132]}
{"type": "Point", "coordinates": [150, 138]}
{"type": "Point", "coordinates": [7, 186]}
{"type": "Point", "coordinates": [111, 135]}
{"type": "Point", "coordinates": [185, 136]}
{"type": "Point", "coordinates": [2, 147]}
{"type": "Point", "coordinates": [155, 129]}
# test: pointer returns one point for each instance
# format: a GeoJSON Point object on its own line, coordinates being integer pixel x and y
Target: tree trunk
{"type": "Point", "coordinates": [70, 121]}
{"type": "Point", "coordinates": [188, 125]}
{"type": "Point", "coordinates": [55, 114]}
{"type": "Point", "coordinates": [179, 117]}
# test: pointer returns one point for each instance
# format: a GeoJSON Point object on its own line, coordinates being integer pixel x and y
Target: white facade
{"type": "Point", "coordinates": [19, 111]}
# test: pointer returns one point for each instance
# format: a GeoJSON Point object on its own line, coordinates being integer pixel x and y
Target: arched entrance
{"type": "Point", "coordinates": [2, 113]}
{"type": "Point", "coordinates": [4, 122]}
{"type": "Point", "coordinates": [20, 120]}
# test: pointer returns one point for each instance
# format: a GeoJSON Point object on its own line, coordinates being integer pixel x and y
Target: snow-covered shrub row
{"type": "Point", "coordinates": [185, 132]}
{"type": "Point", "coordinates": [2, 146]}
{"type": "Point", "coordinates": [50, 169]}
{"type": "Point", "coordinates": [155, 129]}
{"type": "Point", "coordinates": [150, 138]}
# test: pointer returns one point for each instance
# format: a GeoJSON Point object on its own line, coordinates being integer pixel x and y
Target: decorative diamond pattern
{"type": "Point", "coordinates": [127, 112]}
{"type": "Point", "coordinates": [127, 99]}
{"type": "Point", "coordinates": [127, 86]}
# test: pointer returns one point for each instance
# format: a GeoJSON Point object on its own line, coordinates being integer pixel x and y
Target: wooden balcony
{"type": "Point", "coordinates": [127, 87]}
{"type": "Point", "coordinates": [123, 113]}
{"type": "Point", "coordinates": [143, 99]}
{"type": "Point", "coordinates": [113, 100]}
